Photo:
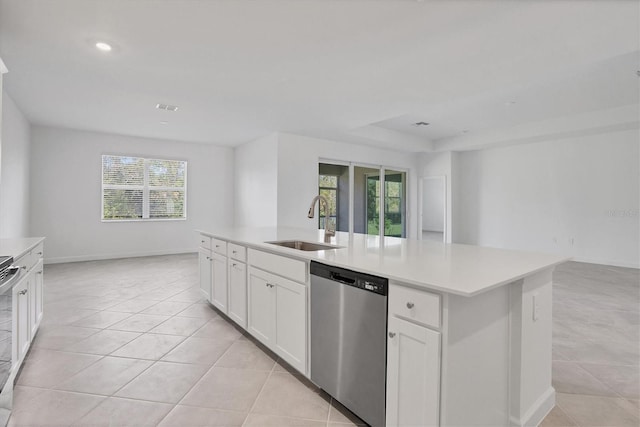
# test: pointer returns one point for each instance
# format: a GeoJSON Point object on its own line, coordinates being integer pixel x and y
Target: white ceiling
{"type": "Point", "coordinates": [349, 70]}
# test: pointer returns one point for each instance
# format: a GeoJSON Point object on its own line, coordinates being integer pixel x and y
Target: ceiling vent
{"type": "Point", "coordinates": [166, 107]}
{"type": "Point", "coordinates": [421, 124]}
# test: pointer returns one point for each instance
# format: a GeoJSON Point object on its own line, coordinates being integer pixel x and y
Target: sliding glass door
{"type": "Point", "coordinates": [395, 203]}
{"type": "Point", "coordinates": [369, 186]}
{"type": "Point", "coordinates": [333, 184]}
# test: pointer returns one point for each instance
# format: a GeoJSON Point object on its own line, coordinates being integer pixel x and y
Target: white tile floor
{"type": "Point", "coordinates": [130, 343]}
{"type": "Point", "coordinates": [596, 336]}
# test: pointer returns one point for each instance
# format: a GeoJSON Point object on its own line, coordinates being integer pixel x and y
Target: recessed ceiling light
{"type": "Point", "coordinates": [421, 124]}
{"type": "Point", "coordinates": [163, 122]}
{"type": "Point", "coordinates": [167, 107]}
{"type": "Point", "coordinates": [105, 47]}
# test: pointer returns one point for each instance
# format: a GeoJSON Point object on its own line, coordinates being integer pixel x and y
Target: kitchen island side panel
{"type": "Point", "coordinates": [475, 359]}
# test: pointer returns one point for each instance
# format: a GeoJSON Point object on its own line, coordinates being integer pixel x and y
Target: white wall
{"type": "Point", "coordinates": [441, 164]}
{"type": "Point", "coordinates": [256, 176]}
{"type": "Point", "coordinates": [14, 183]}
{"type": "Point", "coordinates": [433, 203]}
{"type": "Point", "coordinates": [298, 158]}
{"type": "Point", "coordinates": [66, 192]}
{"type": "Point", "coordinates": [577, 196]}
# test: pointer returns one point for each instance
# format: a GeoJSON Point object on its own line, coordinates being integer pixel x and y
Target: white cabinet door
{"type": "Point", "coordinates": [262, 305]}
{"type": "Point", "coordinates": [21, 329]}
{"type": "Point", "coordinates": [39, 294]}
{"type": "Point", "coordinates": [219, 288]}
{"type": "Point", "coordinates": [34, 295]}
{"type": "Point", "coordinates": [413, 374]}
{"type": "Point", "coordinates": [291, 322]}
{"type": "Point", "coordinates": [238, 292]}
{"type": "Point", "coordinates": [204, 256]}
{"type": "Point", "coordinates": [39, 297]}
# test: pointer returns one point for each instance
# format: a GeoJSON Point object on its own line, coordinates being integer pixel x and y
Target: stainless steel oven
{"type": "Point", "coordinates": [9, 276]}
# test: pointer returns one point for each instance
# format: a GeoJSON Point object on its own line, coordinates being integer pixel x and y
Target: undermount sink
{"type": "Point", "coordinates": [303, 246]}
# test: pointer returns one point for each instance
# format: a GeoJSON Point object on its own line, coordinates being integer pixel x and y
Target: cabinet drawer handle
{"type": "Point", "coordinates": [235, 252]}
{"type": "Point", "coordinates": [24, 267]}
{"type": "Point", "coordinates": [40, 272]}
{"type": "Point", "coordinates": [410, 305]}
{"type": "Point", "coordinates": [22, 292]}
{"type": "Point", "coordinates": [40, 253]}
{"type": "Point", "coordinates": [269, 285]}
{"type": "Point", "coordinates": [201, 241]}
{"type": "Point", "coordinates": [234, 264]}
{"type": "Point", "coordinates": [392, 334]}
{"type": "Point", "coordinates": [217, 246]}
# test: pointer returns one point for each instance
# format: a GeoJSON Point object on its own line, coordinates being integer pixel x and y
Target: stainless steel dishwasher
{"type": "Point", "coordinates": [348, 339]}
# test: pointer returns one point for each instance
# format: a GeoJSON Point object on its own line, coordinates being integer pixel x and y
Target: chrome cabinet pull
{"type": "Point", "coordinates": [269, 285]}
{"type": "Point", "coordinates": [201, 241]}
{"type": "Point", "coordinates": [392, 334]}
{"type": "Point", "coordinates": [39, 253]}
{"type": "Point", "coordinates": [22, 292]}
{"type": "Point", "coordinates": [410, 305]}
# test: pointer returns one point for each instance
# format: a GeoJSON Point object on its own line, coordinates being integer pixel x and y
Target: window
{"type": "Point", "coordinates": [134, 188]}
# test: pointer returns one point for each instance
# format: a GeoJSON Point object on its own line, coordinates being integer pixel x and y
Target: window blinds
{"type": "Point", "coordinates": [135, 188]}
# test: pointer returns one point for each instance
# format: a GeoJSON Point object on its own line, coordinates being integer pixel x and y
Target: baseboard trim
{"type": "Point", "coordinates": [607, 262]}
{"type": "Point", "coordinates": [538, 411]}
{"type": "Point", "coordinates": [100, 257]}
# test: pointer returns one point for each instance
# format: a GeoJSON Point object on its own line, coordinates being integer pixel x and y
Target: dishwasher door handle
{"type": "Point", "coordinates": [342, 279]}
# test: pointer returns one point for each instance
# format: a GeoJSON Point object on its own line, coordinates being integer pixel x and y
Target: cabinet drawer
{"type": "Point", "coordinates": [286, 267]}
{"type": "Point", "coordinates": [237, 252]}
{"type": "Point", "coordinates": [419, 306]}
{"type": "Point", "coordinates": [205, 241]}
{"type": "Point", "coordinates": [29, 259]}
{"type": "Point", "coordinates": [219, 246]}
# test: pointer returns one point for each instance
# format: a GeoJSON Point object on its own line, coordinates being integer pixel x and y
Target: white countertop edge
{"type": "Point", "coordinates": [309, 256]}
{"type": "Point", "coordinates": [19, 246]}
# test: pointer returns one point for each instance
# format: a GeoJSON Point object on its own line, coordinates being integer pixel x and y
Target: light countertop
{"type": "Point", "coordinates": [452, 268]}
{"type": "Point", "coordinates": [17, 247]}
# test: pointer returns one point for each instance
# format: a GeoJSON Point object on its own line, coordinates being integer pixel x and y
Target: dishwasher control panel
{"type": "Point", "coordinates": [367, 282]}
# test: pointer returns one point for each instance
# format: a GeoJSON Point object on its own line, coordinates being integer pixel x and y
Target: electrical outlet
{"type": "Point", "coordinates": [536, 307]}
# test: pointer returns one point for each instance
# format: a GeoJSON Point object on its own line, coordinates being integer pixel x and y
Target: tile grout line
{"type": "Point", "coordinates": [275, 363]}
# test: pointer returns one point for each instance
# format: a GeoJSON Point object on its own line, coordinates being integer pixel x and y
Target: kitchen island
{"type": "Point", "coordinates": [469, 328]}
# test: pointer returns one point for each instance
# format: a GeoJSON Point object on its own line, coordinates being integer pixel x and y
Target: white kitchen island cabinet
{"type": "Point", "coordinates": [413, 374]}
{"type": "Point", "coordinates": [204, 263]}
{"type": "Point", "coordinates": [238, 292]}
{"type": "Point", "coordinates": [219, 282]}
{"type": "Point", "coordinates": [468, 328]}
{"type": "Point", "coordinates": [278, 315]}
